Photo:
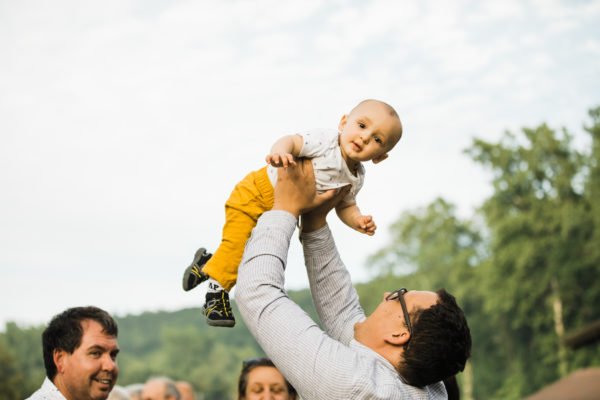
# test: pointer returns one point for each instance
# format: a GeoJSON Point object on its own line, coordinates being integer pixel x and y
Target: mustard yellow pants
{"type": "Point", "coordinates": [249, 199]}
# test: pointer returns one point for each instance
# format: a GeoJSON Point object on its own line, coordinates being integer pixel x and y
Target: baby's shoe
{"type": "Point", "coordinates": [218, 309]}
{"type": "Point", "coordinates": [193, 275]}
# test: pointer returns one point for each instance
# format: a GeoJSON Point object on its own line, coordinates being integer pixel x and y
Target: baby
{"type": "Point", "coordinates": [367, 133]}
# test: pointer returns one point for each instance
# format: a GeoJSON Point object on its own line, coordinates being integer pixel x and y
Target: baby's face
{"type": "Point", "coordinates": [369, 132]}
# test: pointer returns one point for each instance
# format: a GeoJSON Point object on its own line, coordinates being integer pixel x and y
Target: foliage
{"type": "Point", "coordinates": [540, 230]}
{"type": "Point", "coordinates": [11, 377]}
{"type": "Point", "coordinates": [24, 348]}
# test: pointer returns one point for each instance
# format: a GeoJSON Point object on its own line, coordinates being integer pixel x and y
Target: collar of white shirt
{"type": "Point", "coordinates": [47, 392]}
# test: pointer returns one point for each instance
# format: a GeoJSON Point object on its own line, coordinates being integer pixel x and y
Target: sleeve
{"type": "Point", "coordinates": [335, 299]}
{"type": "Point", "coordinates": [312, 361]}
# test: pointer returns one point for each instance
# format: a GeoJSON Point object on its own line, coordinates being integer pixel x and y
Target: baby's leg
{"type": "Point", "coordinates": [223, 265]}
{"type": "Point", "coordinates": [248, 201]}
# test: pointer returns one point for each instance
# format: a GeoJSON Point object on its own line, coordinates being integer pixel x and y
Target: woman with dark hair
{"type": "Point", "coordinates": [260, 379]}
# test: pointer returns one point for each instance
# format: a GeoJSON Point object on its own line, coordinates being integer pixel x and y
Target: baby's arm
{"type": "Point", "coordinates": [350, 214]}
{"type": "Point", "coordinates": [284, 150]}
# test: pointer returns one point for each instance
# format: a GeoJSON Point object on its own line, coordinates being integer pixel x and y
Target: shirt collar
{"type": "Point", "coordinates": [51, 391]}
{"type": "Point", "coordinates": [368, 352]}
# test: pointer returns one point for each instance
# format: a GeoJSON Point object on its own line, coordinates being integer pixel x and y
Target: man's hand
{"type": "Point", "coordinates": [317, 217]}
{"type": "Point", "coordinates": [295, 191]}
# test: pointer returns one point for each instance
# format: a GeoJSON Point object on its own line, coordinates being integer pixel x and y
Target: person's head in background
{"type": "Point", "coordinates": [119, 393]}
{"type": "Point", "coordinates": [186, 390]}
{"type": "Point", "coordinates": [260, 379]}
{"type": "Point", "coordinates": [135, 391]}
{"type": "Point", "coordinates": [80, 352]}
{"type": "Point", "coordinates": [160, 388]}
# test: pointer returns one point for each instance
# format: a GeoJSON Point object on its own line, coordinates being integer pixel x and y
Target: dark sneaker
{"type": "Point", "coordinates": [193, 275]}
{"type": "Point", "coordinates": [218, 309]}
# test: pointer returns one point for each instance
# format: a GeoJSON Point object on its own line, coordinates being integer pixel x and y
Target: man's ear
{"type": "Point", "coordinates": [380, 158]}
{"type": "Point", "coordinates": [342, 123]}
{"type": "Point", "coordinates": [59, 357]}
{"type": "Point", "coordinates": [397, 338]}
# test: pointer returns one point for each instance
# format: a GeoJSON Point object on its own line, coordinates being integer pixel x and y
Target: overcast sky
{"type": "Point", "coordinates": [125, 124]}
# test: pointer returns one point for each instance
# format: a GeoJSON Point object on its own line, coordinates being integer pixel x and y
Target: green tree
{"type": "Point", "coordinates": [26, 346]}
{"type": "Point", "coordinates": [434, 242]}
{"type": "Point", "coordinates": [592, 184]}
{"type": "Point", "coordinates": [538, 278]}
{"type": "Point", "coordinates": [11, 378]}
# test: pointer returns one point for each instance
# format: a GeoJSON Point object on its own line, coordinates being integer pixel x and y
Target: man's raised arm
{"type": "Point", "coordinates": [334, 296]}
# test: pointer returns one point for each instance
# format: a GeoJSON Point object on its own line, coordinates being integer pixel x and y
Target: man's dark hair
{"type": "Point", "coordinates": [440, 344]}
{"type": "Point", "coordinates": [64, 332]}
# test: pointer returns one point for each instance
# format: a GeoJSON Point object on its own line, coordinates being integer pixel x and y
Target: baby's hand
{"type": "Point", "coordinates": [279, 160]}
{"type": "Point", "coordinates": [365, 224]}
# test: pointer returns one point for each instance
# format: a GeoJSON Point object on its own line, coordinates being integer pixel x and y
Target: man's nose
{"type": "Point", "coordinates": [109, 363]}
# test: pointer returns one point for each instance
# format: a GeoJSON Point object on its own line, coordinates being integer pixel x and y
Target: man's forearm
{"type": "Point", "coordinates": [263, 265]}
{"type": "Point", "coordinates": [334, 296]}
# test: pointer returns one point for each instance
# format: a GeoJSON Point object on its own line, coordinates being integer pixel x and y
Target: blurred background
{"type": "Point", "coordinates": [124, 125]}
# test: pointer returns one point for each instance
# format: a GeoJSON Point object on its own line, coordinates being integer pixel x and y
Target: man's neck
{"type": "Point", "coordinates": [59, 383]}
{"type": "Point", "coordinates": [393, 354]}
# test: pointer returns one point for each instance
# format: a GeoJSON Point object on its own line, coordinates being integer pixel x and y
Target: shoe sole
{"type": "Point", "coordinates": [221, 323]}
{"type": "Point", "coordinates": [188, 271]}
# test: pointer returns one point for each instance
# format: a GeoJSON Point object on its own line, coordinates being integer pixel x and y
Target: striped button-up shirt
{"type": "Point", "coordinates": [320, 364]}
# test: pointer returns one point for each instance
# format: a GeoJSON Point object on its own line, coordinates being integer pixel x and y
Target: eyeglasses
{"type": "Point", "coordinates": [399, 295]}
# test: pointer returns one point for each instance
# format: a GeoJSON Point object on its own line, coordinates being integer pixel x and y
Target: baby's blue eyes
{"type": "Point", "coordinates": [378, 140]}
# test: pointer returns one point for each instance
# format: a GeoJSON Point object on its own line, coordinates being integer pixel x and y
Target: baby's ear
{"type": "Point", "coordinates": [342, 123]}
{"type": "Point", "coordinates": [380, 158]}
